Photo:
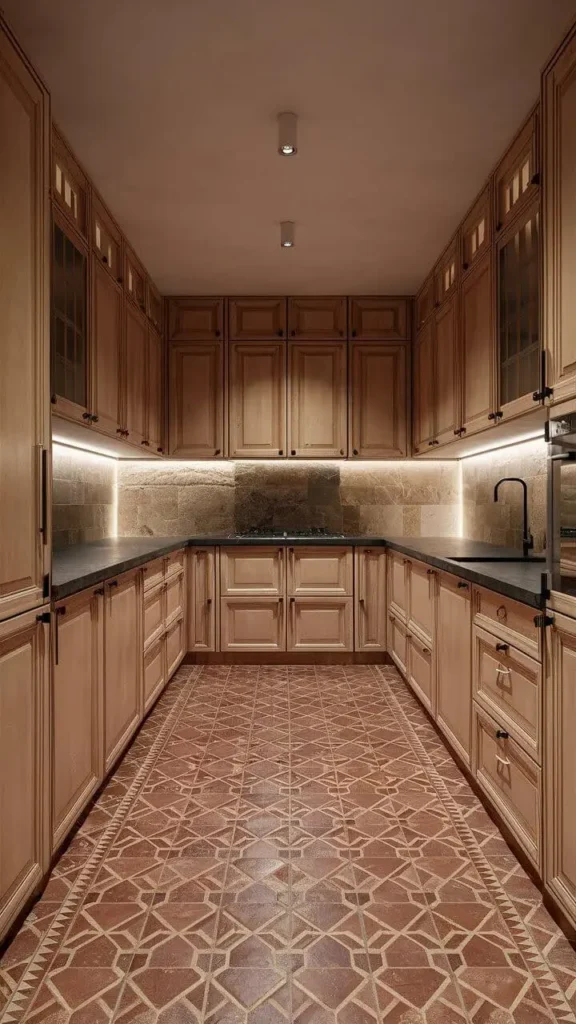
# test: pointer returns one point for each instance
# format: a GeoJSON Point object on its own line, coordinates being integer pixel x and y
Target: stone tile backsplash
{"type": "Point", "coordinates": [83, 496]}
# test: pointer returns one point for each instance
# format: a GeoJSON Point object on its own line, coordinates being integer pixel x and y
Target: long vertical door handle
{"type": "Point", "coordinates": [44, 494]}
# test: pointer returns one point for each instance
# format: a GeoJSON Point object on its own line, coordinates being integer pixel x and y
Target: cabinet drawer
{"type": "Point", "coordinates": [153, 573]}
{"type": "Point", "coordinates": [174, 562]}
{"type": "Point", "coordinates": [397, 588]}
{"type": "Point", "coordinates": [252, 624]}
{"type": "Point", "coordinates": [252, 570]}
{"type": "Point", "coordinates": [511, 779]}
{"type": "Point", "coordinates": [511, 621]}
{"type": "Point", "coordinates": [154, 613]}
{"type": "Point", "coordinates": [420, 670]}
{"type": "Point", "coordinates": [175, 646]}
{"type": "Point", "coordinates": [174, 597]}
{"type": "Point", "coordinates": [421, 598]}
{"type": "Point", "coordinates": [322, 570]}
{"type": "Point", "coordinates": [397, 642]}
{"type": "Point", "coordinates": [320, 624]}
{"type": "Point", "coordinates": [154, 671]}
{"type": "Point", "coordinates": [508, 684]}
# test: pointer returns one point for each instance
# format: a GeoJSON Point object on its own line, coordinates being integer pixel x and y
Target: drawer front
{"type": "Point", "coordinates": [251, 570]}
{"type": "Point", "coordinates": [175, 562]}
{"type": "Point", "coordinates": [421, 595]}
{"type": "Point", "coordinates": [320, 624]}
{"type": "Point", "coordinates": [511, 621]}
{"type": "Point", "coordinates": [174, 597]}
{"type": "Point", "coordinates": [154, 613]}
{"type": "Point", "coordinates": [322, 570]}
{"type": "Point", "coordinates": [397, 589]}
{"type": "Point", "coordinates": [153, 574]}
{"type": "Point", "coordinates": [175, 646]}
{"type": "Point", "coordinates": [252, 624]}
{"type": "Point", "coordinates": [154, 671]}
{"type": "Point", "coordinates": [508, 685]}
{"type": "Point", "coordinates": [512, 781]}
{"type": "Point", "coordinates": [420, 670]}
{"type": "Point", "coordinates": [397, 642]}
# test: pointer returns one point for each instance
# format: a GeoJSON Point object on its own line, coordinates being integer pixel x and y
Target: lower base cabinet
{"type": "Point", "coordinates": [202, 599]}
{"type": "Point", "coordinates": [252, 624]}
{"type": "Point", "coordinates": [421, 670]}
{"type": "Point", "coordinates": [122, 662]}
{"type": "Point", "coordinates": [397, 643]}
{"type": "Point", "coordinates": [155, 674]}
{"type": "Point", "coordinates": [370, 599]}
{"type": "Point", "coordinates": [24, 761]}
{"type": "Point", "coordinates": [77, 706]}
{"type": "Point", "coordinates": [320, 624]}
{"type": "Point", "coordinates": [454, 662]}
{"type": "Point", "coordinates": [175, 640]}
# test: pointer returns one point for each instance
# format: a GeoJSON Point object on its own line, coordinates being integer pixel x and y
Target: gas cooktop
{"type": "Point", "coordinates": [310, 531]}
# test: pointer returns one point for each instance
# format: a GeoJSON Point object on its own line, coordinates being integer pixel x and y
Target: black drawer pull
{"type": "Point", "coordinates": [502, 647]}
{"type": "Point", "coordinates": [501, 734]}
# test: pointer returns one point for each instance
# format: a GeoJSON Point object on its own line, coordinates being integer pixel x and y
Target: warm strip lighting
{"type": "Point", "coordinates": [507, 443]}
{"type": "Point", "coordinates": [62, 442]}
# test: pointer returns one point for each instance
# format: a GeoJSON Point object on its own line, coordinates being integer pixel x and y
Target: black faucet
{"type": "Point", "coordinates": [527, 538]}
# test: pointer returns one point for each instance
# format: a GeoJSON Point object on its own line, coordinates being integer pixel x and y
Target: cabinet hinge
{"type": "Point", "coordinates": [543, 620]}
{"type": "Point", "coordinates": [43, 617]}
{"type": "Point", "coordinates": [46, 585]}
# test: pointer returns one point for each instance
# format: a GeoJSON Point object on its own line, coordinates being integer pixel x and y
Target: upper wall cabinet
{"type": "Point", "coordinates": [197, 400]}
{"type": "Point", "coordinates": [134, 372]}
{"type": "Point", "coordinates": [106, 241]}
{"type": "Point", "coordinates": [192, 319]}
{"type": "Point", "coordinates": [155, 307]}
{"type": "Point", "coordinates": [257, 399]}
{"type": "Point", "coordinates": [447, 273]}
{"type": "Point", "coordinates": [107, 337]}
{"type": "Point", "coordinates": [256, 319]}
{"type": "Point", "coordinates": [478, 345]}
{"type": "Point", "coordinates": [24, 429]}
{"type": "Point", "coordinates": [518, 175]}
{"type": "Point", "coordinates": [560, 207]}
{"type": "Point", "coordinates": [69, 336]}
{"type": "Point", "coordinates": [154, 404]}
{"type": "Point", "coordinates": [69, 185]}
{"type": "Point", "coordinates": [379, 319]}
{"type": "Point", "coordinates": [476, 232]}
{"type": "Point", "coordinates": [446, 392]}
{"type": "Point", "coordinates": [134, 280]}
{"type": "Point", "coordinates": [317, 400]}
{"type": "Point", "coordinates": [317, 319]}
{"type": "Point", "coordinates": [423, 418]}
{"type": "Point", "coordinates": [425, 302]}
{"type": "Point", "coordinates": [377, 406]}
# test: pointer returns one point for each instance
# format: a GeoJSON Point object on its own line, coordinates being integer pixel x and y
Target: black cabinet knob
{"type": "Point", "coordinates": [293, 334]}
{"type": "Point", "coordinates": [86, 415]}
{"type": "Point", "coordinates": [491, 415]}
{"type": "Point", "coordinates": [280, 333]}
{"type": "Point", "coordinates": [217, 333]}
{"type": "Point", "coordinates": [354, 451]}
{"type": "Point", "coordinates": [280, 451]}
{"type": "Point", "coordinates": [501, 734]}
{"type": "Point", "coordinates": [502, 647]}
{"type": "Point", "coordinates": [353, 332]}
{"type": "Point", "coordinates": [159, 449]}
{"type": "Point", "coordinates": [293, 452]}
{"type": "Point", "coordinates": [218, 451]}
{"type": "Point", "coordinates": [463, 586]}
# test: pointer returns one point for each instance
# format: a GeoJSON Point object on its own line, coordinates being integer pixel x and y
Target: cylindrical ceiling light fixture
{"type": "Point", "coordinates": [287, 234]}
{"type": "Point", "coordinates": [287, 125]}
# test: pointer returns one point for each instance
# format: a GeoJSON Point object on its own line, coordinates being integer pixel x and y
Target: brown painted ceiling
{"type": "Point", "coordinates": [403, 109]}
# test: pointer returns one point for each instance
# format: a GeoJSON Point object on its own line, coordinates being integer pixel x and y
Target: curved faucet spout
{"type": "Point", "coordinates": [527, 538]}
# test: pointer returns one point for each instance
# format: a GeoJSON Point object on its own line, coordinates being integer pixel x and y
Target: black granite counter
{"type": "Point", "coordinates": [85, 565]}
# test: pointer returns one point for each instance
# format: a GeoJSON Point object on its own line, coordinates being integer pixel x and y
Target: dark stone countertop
{"type": "Point", "coordinates": [84, 565]}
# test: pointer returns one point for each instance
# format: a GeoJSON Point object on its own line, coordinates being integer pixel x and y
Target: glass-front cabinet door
{"type": "Point", "coordinates": [69, 336]}
{"type": "Point", "coordinates": [519, 336]}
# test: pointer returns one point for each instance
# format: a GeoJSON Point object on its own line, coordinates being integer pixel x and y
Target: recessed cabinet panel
{"type": "Point", "coordinates": [320, 624]}
{"type": "Point", "coordinates": [202, 599]}
{"type": "Point", "coordinates": [317, 319]}
{"type": "Point", "coordinates": [155, 392]}
{"type": "Point", "coordinates": [196, 400]}
{"type": "Point", "coordinates": [421, 599]}
{"type": "Point", "coordinates": [477, 230]}
{"type": "Point", "coordinates": [257, 399]}
{"type": "Point", "coordinates": [379, 319]}
{"type": "Point", "coordinates": [154, 671]}
{"type": "Point", "coordinates": [252, 570]}
{"type": "Point", "coordinates": [256, 319]}
{"type": "Point", "coordinates": [425, 302]}
{"type": "Point", "coordinates": [377, 408]}
{"type": "Point", "coordinates": [454, 662]}
{"type": "Point", "coordinates": [509, 620]}
{"type": "Point", "coordinates": [370, 596]}
{"type": "Point", "coordinates": [252, 624]}
{"type": "Point", "coordinates": [107, 312]}
{"type": "Point", "coordinates": [446, 374]}
{"type": "Point", "coordinates": [195, 319]}
{"type": "Point", "coordinates": [398, 584]}
{"type": "Point", "coordinates": [508, 684]}
{"type": "Point", "coordinates": [154, 613]}
{"type": "Point", "coordinates": [516, 179]}
{"type": "Point", "coordinates": [317, 400]}
{"type": "Point", "coordinates": [136, 345]}
{"type": "Point", "coordinates": [322, 570]}
{"type": "Point", "coordinates": [420, 670]}
{"type": "Point", "coordinates": [122, 663]}
{"type": "Point", "coordinates": [397, 643]}
{"type": "Point", "coordinates": [478, 346]}
{"type": "Point", "coordinates": [175, 597]}
{"type": "Point", "coordinates": [175, 645]}
{"type": "Point", "coordinates": [423, 419]}
{"type": "Point", "coordinates": [519, 348]}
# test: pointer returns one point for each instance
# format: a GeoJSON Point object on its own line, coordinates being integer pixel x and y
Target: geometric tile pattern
{"type": "Point", "coordinates": [288, 844]}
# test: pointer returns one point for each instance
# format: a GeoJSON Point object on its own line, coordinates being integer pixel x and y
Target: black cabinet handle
{"type": "Point", "coordinates": [502, 647]}
{"type": "Point", "coordinates": [217, 333]}
{"type": "Point", "coordinates": [159, 449]}
{"type": "Point", "coordinates": [341, 451]}
{"type": "Point", "coordinates": [86, 415]}
{"type": "Point", "coordinates": [499, 226]}
{"type": "Point", "coordinates": [104, 259]}
{"type": "Point", "coordinates": [491, 415]}
{"type": "Point", "coordinates": [292, 334]}
{"type": "Point", "coordinates": [462, 585]}
{"type": "Point", "coordinates": [94, 419]}
{"type": "Point", "coordinates": [465, 266]}
{"type": "Point", "coordinates": [354, 451]}
{"type": "Point", "coordinates": [353, 332]}
{"type": "Point", "coordinates": [293, 452]}
{"type": "Point", "coordinates": [280, 451]}
{"type": "Point", "coordinates": [217, 452]}
{"type": "Point", "coordinates": [120, 280]}
{"type": "Point", "coordinates": [501, 734]}
{"type": "Point", "coordinates": [280, 333]}
{"type": "Point", "coordinates": [147, 443]}
{"type": "Point", "coordinates": [119, 430]}
{"type": "Point", "coordinates": [535, 179]}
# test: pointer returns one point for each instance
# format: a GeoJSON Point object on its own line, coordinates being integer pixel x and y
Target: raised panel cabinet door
{"type": "Point", "coordinates": [154, 671]}
{"type": "Point", "coordinates": [320, 624]}
{"type": "Point", "coordinates": [256, 319]}
{"type": "Point", "coordinates": [423, 418]}
{"type": "Point", "coordinates": [24, 763]}
{"type": "Point", "coordinates": [77, 706]}
{"type": "Point", "coordinates": [397, 642]}
{"type": "Point", "coordinates": [424, 302]}
{"type": "Point", "coordinates": [370, 598]}
{"type": "Point", "coordinates": [420, 670]}
{"type": "Point", "coordinates": [422, 595]}
{"type": "Point", "coordinates": [134, 280]}
{"type": "Point", "coordinates": [107, 335]}
{"type": "Point", "coordinates": [134, 379]}
{"type": "Point", "coordinates": [257, 399]}
{"type": "Point", "coordinates": [516, 179]}
{"type": "Point", "coordinates": [447, 272]}
{"type": "Point", "coordinates": [317, 400]}
{"type": "Point", "coordinates": [246, 571]}
{"type": "Point", "coordinates": [202, 599]}
{"type": "Point", "coordinates": [175, 645]}
{"type": "Point", "coordinates": [122, 663]}
{"type": "Point", "coordinates": [379, 318]}
{"type": "Point", "coordinates": [252, 624]}
{"type": "Point", "coordinates": [398, 568]}
{"type": "Point", "coordinates": [196, 407]}
{"type": "Point", "coordinates": [24, 275]}
{"type": "Point", "coordinates": [446, 374]}
{"type": "Point", "coordinates": [317, 319]}
{"type": "Point", "coordinates": [195, 319]}
{"type": "Point", "coordinates": [454, 662]}
{"type": "Point", "coordinates": [560, 763]}
{"type": "Point", "coordinates": [175, 597]}
{"type": "Point", "coordinates": [320, 570]}
{"type": "Point", "coordinates": [559, 145]}
{"type": "Point", "coordinates": [377, 409]}
{"type": "Point", "coordinates": [476, 231]}
{"type": "Point", "coordinates": [508, 685]}
{"type": "Point", "coordinates": [478, 346]}
{"type": "Point", "coordinates": [154, 612]}
{"type": "Point", "coordinates": [155, 391]}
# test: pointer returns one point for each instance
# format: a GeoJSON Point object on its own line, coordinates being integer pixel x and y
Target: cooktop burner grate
{"type": "Point", "coordinates": [310, 531]}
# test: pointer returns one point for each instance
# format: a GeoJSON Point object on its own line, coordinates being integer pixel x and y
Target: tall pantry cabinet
{"type": "Point", "coordinates": [24, 467]}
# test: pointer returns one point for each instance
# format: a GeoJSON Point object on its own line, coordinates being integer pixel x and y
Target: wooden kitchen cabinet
{"type": "Point", "coordinates": [320, 624]}
{"type": "Point", "coordinates": [424, 302]}
{"type": "Point", "coordinates": [122, 663]}
{"type": "Point", "coordinates": [24, 249]}
{"type": "Point", "coordinates": [70, 343]}
{"type": "Point", "coordinates": [397, 578]}
{"type": "Point", "coordinates": [134, 280]}
{"type": "Point", "coordinates": [478, 345]}
{"type": "Point", "coordinates": [454, 662]}
{"type": "Point", "coordinates": [192, 318]}
{"type": "Point", "coordinates": [370, 599]}
{"type": "Point", "coordinates": [560, 763]}
{"type": "Point", "coordinates": [106, 241]}
{"type": "Point", "coordinates": [420, 670]}
{"type": "Point", "coordinates": [421, 599]}
{"type": "Point", "coordinates": [477, 230]}
{"type": "Point", "coordinates": [196, 407]}
{"type": "Point", "coordinates": [508, 685]}
{"type": "Point", "coordinates": [176, 645]}
{"type": "Point", "coordinates": [155, 307]}
{"type": "Point", "coordinates": [423, 419]}
{"type": "Point", "coordinates": [252, 624]}
{"type": "Point", "coordinates": [257, 399]}
{"type": "Point", "coordinates": [107, 311]}
{"type": "Point", "coordinates": [248, 571]}
{"type": "Point", "coordinates": [378, 401]}
{"type": "Point", "coordinates": [69, 185]}
{"type": "Point", "coordinates": [317, 400]}
{"type": "Point", "coordinates": [77, 709]}
{"type": "Point", "coordinates": [447, 273]}
{"type": "Point", "coordinates": [379, 318]}
{"type": "Point", "coordinates": [24, 762]}
{"type": "Point", "coordinates": [134, 371]}
{"type": "Point", "coordinates": [397, 642]}
{"type": "Point", "coordinates": [256, 319]}
{"type": "Point", "coordinates": [154, 672]}
{"type": "Point", "coordinates": [317, 319]}
{"type": "Point", "coordinates": [320, 571]}
{"type": "Point", "coordinates": [446, 390]}
{"type": "Point", "coordinates": [559, 144]}
{"type": "Point", "coordinates": [202, 599]}
{"type": "Point", "coordinates": [516, 180]}
{"type": "Point", "coordinates": [155, 392]}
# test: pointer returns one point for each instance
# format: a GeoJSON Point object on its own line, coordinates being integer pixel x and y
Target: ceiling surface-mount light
{"type": "Point", "coordinates": [287, 124]}
{"type": "Point", "coordinates": [287, 234]}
